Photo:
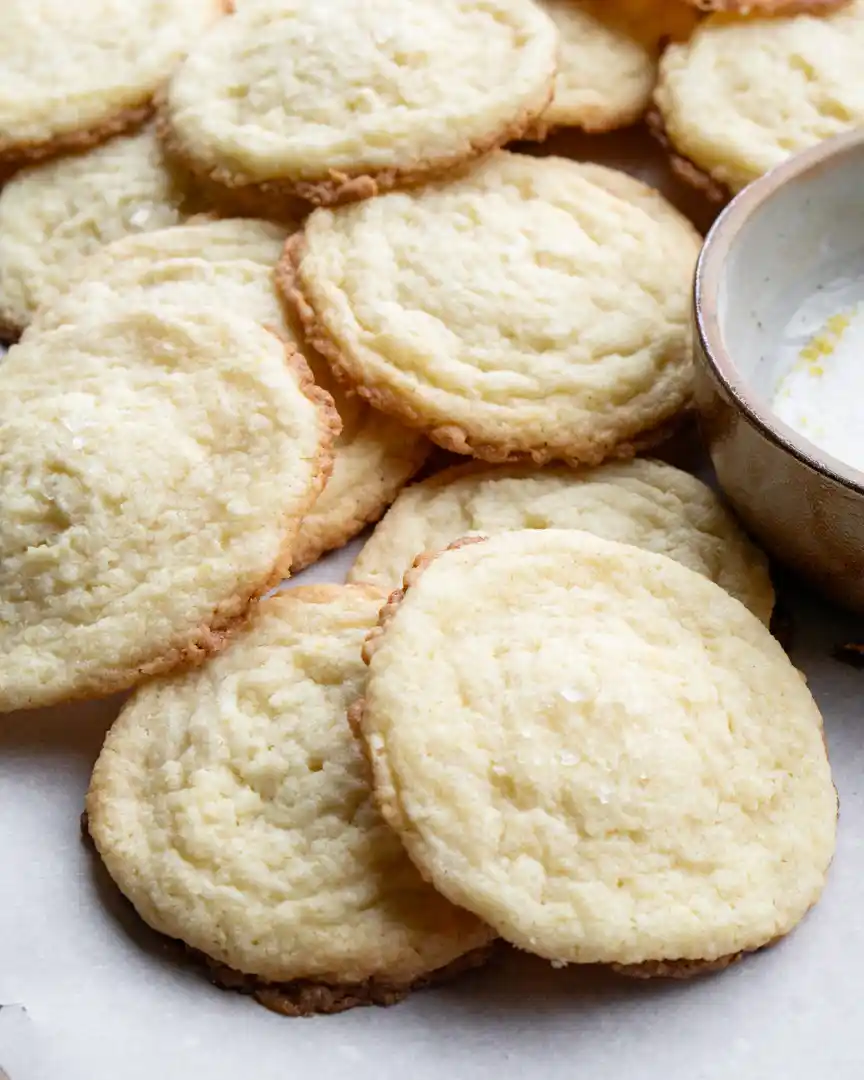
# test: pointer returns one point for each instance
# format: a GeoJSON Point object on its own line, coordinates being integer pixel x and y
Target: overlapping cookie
{"type": "Point", "coordinates": [533, 309]}
{"type": "Point", "coordinates": [232, 806]}
{"type": "Point", "coordinates": [333, 100]}
{"type": "Point", "coordinates": [73, 74]}
{"type": "Point", "coordinates": [53, 216]}
{"type": "Point", "coordinates": [645, 503]}
{"type": "Point", "coordinates": [155, 465]}
{"type": "Point", "coordinates": [744, 93]}
{"type": "Point", "coordinates": [599, 752]}
{"type": "Point", "coordinates": [607, 65]}
{"type": "Point", "coordinates": [230, 264]}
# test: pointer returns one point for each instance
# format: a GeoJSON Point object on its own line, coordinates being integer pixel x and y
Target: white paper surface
{"type": "Point", "coordinates": [95, 996]}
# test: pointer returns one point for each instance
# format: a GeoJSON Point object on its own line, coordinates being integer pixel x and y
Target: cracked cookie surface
{"type": "Point", "coordinates": [154, 469]}
{"type": "Point", "coordinates": [72, 74]}
{"type": "Point", "coordinates": [334, 100]}
{"type": "Point", "coordinates": [232, 806]}
{"type": "Point", "coordinates": [743, 94]}
{"type": "Point", "coordinates": [597, 751]}
{"type": "Point", "coordinates": [527, 310]}
{"type": "Point", "coordinates": [55, 215]}
{"type": "Point", "coordinates": [231, 264]}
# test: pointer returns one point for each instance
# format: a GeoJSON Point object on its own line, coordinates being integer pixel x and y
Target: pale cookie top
{"type": "Point", "coordinates": [70, 68]}
{"type": "Point", "coordinates": [53, 216]}
{"type": "Point", "coordinates": [607, 64]}
{"type": "Point", "coordinates": [524, 310]}
{"type": "Point", "coordinates": [317, 93]}
{"type": "Point", "coordinates": [232, 806]}
{"type": "Point", "coordinates": [645, 503]}
{"type": "Point", "coordinates": [230, 264]}
{"type": "Point", "coordinates": [154, 468]}
{"type": "Point", "coordinates": [744, 94]}
{"type": "Point", "coordinates": [598, 751]}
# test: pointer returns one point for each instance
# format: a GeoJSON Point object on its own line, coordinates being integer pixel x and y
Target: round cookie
{"type": "Point", "coordinates": [644, 503]}
{"type": "Point", "coordinates": [607, 65]}
{"type": "Point", "coordinates": [53, 216]}
{"type": "Point", "coordinates": [230, 264]}
{"type": "Point", "coordinates": [232, 806]}
{"type": "Point", "coordinates": [598, 752]}
{"type": "Point", "coordinates": [523, 311]}
{"type": "Point", "coordinates": [743, 94]}
{"type": "Point", "coordinates": [154, 469]}
{"type": "Point", "coordinates": [73, 74]}
{"type": "Point", "coordinates": [333, 100]}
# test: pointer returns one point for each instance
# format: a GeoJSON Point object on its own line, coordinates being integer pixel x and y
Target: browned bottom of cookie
{"type": "Point", "coordinates": [767, 7]}
{"type": "Point", "coordinates": [676, 969]}
{"type": "Point", "coordinates": [15, 155]}
{"type": "Point", "coordinates": [304, 997]}
{"type": "Point", "coordinates": [288, 198]}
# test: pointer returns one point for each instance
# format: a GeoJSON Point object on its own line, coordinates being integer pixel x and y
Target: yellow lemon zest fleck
{"type": "Point", "coordinates": [837, 324]}
{"type": "Point", "coordinates": [824, 343]}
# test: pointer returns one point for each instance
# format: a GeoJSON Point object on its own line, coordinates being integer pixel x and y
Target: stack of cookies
{"type": "Point", "coordinates": [578, 746]}
{"type": "Point", "coordinates": [258, 265]}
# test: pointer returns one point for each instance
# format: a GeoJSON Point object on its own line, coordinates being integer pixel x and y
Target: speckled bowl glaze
{"type": "Point", "coordinates": [787, 233]}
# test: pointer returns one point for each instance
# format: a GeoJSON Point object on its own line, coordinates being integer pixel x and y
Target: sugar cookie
{"type": "Point", "coordinates": [73, 74]}
{"type": "Point", "coordinates": [645, 503]}
{"type": "Point", "coordinates": [333, 100]}
{"type": "Point", "coordinates": [230, 263]}
{"type": "Point", "coordinates": [53, 216]}
{"type": "Point", "coordinates": [598, 751]}
{"type": "Point", "coordinates": [154, 470]}
{"type": "Point", "coordinates": [607, 60]}
{"type": "Point", "coordinates": [522, 311]}
{"type": "Point", "coordinates": [232, 806]}
{"type": "Point", "coordinates": [744, 94]}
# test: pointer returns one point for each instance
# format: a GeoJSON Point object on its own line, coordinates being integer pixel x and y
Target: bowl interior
{"type": "Point", "coordinates": [788, 253]}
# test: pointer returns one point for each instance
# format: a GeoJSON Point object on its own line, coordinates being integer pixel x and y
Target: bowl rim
{"type": "Point", "coordinates": [709, 273]}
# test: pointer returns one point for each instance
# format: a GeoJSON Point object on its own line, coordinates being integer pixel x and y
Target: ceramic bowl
{"type": "Point", "coordinates": [797, 228]}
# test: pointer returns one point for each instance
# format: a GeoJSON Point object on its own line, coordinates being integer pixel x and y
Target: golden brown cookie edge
{"type": "Point", "coordinates": [282, 196]}
{"type": "Point", "coordinates": [231, 614]}
{"type": "Point", "coordinates": [452, 437]}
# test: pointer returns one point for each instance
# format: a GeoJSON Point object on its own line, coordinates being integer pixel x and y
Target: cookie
{"type": "Point", "coordinates": [268, 104]}
{"type": "Point", "coordinates": [743, 94]}
{"type": "Point", "coordinates": [230, 264]}
{"type": "Point", "coordinates": [375, 456]}
{"type": "Point", "coordinates": [232, 806]}
{"type": "Point", "coordinates": [607, 65]}
{"type": "Point", "coordinates": [53, 216]}
{"type": "Point", "coordinates": [644, 503]}
{"type": "Point", "coordinates": [598, 751]}
{"type": "Point", "coordinates": [155, 466]}
{"type": "Point", "coordinates": [523, 311]}
{"type": "Point", "coordinates": [74, 74]}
